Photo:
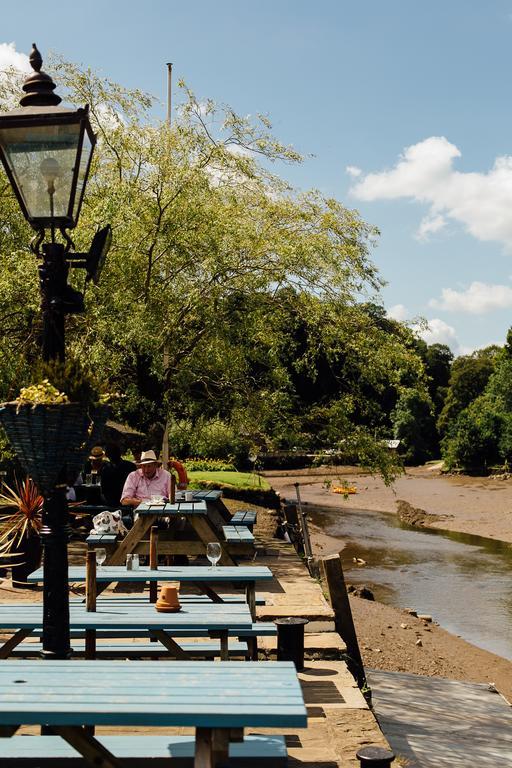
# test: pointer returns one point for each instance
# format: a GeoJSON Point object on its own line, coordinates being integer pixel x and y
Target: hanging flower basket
{"type": "Point", "coordinates": [50, 439]}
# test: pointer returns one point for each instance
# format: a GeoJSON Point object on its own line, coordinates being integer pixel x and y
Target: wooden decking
{"type": "Point", "coordinates": [436, 723]}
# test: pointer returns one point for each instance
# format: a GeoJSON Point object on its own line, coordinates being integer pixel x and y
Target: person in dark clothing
{"type": "Point", "coordinates": [114, 474]}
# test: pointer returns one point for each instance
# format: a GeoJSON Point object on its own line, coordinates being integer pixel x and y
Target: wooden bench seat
{"type": "Point", "coordinates": [237, 534]}
{"type": "Point", "coordinates": [245, 517]}
{"type": "Point", "coordinates": [258, 629]}
{"type": "Point", "coordinates": [139, 650]}
{"type": "Point", "coordinates": [138, 751]}
{"type": "Point", "coordinates": [183, 599]}
{"type": "Point", "coordinates": [101, 540]}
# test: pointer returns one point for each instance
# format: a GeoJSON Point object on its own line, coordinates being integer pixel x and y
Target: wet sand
{"type": "Point", "coordinates": [388, 637]}
{"type": "Point", "coordinates": [478, 505]}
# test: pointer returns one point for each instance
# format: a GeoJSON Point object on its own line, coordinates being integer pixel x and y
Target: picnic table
{"type": "Point", "coordinates": [214, 619]}
{"type": "Point", "coordinates": [218, 700]}
{"type": "Point", "coordinates": [194, 512]}
{"type": "Point", "coordinates": [201, 576]}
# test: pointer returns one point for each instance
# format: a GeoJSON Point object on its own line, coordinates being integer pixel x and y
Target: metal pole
{"type": "Point", "coordinates": [165, 438]}
{"type": "Point", "coordinates": [55, 529]}
{"type": "Point", "coordinates": [169, 91]}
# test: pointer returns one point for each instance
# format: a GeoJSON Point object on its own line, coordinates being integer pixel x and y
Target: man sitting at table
{"type": "Point", "coordinates": [146, 481]}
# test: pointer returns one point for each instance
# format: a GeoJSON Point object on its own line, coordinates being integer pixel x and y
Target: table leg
{"type": "Point", "coordinates": [91, 750]}
{"type": "Point", "coordinates": [250, 596]}
{"type": "Point", "coordinates": [224, 646]}
{"type": "Point", "coordinates": [153, 562]}
{"type": "Point", "coordinates": [223, 636]}
{"type": "Point", "coordinates": [206, 533]}
{"type": "Point", "coordinates": [171, 645]}
{"type": "Point", "coordinates": [132, 538]}
{"type": "Point", "coordinates": [252, 643]}
{"type": "Point", "coordinates": [90, 643]}
{"type": "Point", "coordinates": [207, 590]}
{"type": "Point", "coordinates": [13, 641]}
{"type": "Point", "coordinates": [212, 747]}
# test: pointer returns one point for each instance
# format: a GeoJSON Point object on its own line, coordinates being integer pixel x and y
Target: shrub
{"type": "Point", "coordinates": [209, 465]}
{"type": "Point", "coordinates": [208, 439]}
{"type": "Point", "coordinates": [473, 442]}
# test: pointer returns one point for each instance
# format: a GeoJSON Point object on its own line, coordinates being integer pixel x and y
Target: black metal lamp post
{"type": "Point", "coordinates": [46, 151]}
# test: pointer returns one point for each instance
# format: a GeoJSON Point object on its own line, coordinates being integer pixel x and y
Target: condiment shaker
{"type": "Point", "coordinates": [135, 562]}
{"type": "Point", "coordinates": [129, 562]}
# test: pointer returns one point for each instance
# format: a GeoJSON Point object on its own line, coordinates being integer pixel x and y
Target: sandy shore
{"type": "Point", "coordinates": [389, 638]}
{"type": "Point", "coordinates": [478, 505]}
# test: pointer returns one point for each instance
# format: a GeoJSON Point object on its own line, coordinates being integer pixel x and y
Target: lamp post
{"type": "Point", "coordinates": [46, 152]}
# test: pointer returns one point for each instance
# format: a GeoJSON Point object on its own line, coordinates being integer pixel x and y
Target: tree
{"type": "Point", "coordinates": [414, 425]}
{"type": "Point", "coordinates": [468, 380]}
{"type": "Point", "coordinates": [473, 442]}
{"type": "Point", "coordinates": [251, 286]}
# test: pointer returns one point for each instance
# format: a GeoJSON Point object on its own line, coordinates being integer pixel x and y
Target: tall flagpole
{"type": "Point", "coordinates": [165, 438]}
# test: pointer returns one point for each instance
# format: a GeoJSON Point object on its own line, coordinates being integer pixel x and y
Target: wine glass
{"type": "Point", "coordinates": [213, 552]}
{"type": "Point", "coordinates": [101, 556]}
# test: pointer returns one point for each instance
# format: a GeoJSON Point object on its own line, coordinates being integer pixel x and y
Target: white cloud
{"type": "Point", "coordinates": [430, 223]}
{"type": "Point", "coordinates": [353, 171]}
{"type": "Point", "coordinates": [9, 57]}
{"type": "Point", "coordinates": [478, 299]}
{"type": "Point", "coordinates": [398, 312]}
{"type": "Point", "coordinates": [439, 332]}
{"type": "Point", "coordinates": [481, 202]}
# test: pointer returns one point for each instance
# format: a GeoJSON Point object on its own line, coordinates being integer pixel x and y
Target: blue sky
{"type": "Point", "coordinates": [413, 98]}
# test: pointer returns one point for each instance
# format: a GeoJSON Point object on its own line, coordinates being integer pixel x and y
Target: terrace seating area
{"type": "Point", "coordinates": [137, 663]}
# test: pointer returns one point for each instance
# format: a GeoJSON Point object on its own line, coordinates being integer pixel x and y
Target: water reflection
{"type": "Point", "coordinates": [463, 581]}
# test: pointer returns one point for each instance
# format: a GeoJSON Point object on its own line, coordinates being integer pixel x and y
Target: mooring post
{"type": "Point", "coordinates": [375, 757]}
{"type": "Point", "coordinates": [343, 620]}
{"type": "Point", "coordinates": [304, 528]}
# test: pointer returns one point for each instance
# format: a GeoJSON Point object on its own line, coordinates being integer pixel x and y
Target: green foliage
{"type": "Point", "coordinates": [208, 465]}
{"type": "Point", "coordinates": [57, 382]}
{"type": "Point", "coordinates": [208, 439]}
{"type": "Point", "coordinates": [264, 298]}
{"type": "Point", "coordinates": [474, 440]}
{"type": "Point", "coordinates": [414, 425]}
{"type": "Point", "coordinates": [243, 480]}
{"type": "Point", "coordinates": [468, 380]}
{"type": "Point", "coordinates": [481, 434]}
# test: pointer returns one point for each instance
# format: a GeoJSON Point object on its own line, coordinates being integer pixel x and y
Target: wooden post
{"type": "Point", "coordinates": [304, 527]}
{"type": "Point", "coordinates": [173, 489]}
{"type": "Point", "coordinates": [90, 602]}
{"type": "Point", "coordinates": [343, 615]}
{"type": "Point", "coordinates": [153, 562]}
{"type": "Point", "coordinates": [90, 581]}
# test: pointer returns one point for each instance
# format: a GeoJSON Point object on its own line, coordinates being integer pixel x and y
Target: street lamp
{"type": "Point", "coordinates": [46, 151]}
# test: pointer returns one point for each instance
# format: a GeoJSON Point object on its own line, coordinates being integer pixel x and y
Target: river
{"type": "Point", "coordinates": [463, 581]}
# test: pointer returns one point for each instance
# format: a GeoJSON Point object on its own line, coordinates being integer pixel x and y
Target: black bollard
{"type": "Point", "coordinates": [290, 640]}
{"type": "Point", "coordinates": [375, 757]}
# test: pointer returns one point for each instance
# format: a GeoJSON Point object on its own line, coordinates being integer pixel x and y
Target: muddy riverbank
{"type": "Point", "coordinates": [478, 505]}
{"type": "Point", "coordinates": [481, 506]}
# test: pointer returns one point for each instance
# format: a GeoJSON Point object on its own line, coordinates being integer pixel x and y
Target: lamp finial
{"type": "Point", "coordinates": [39, 87]}
{"type": "Point", "coordinates": [35, 58]}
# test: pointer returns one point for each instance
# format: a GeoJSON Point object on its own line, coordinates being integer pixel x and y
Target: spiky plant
{"type": "Point", "coordinates": [23, 507]}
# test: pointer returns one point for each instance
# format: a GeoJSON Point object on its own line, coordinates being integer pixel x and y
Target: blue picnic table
{"type": "Point", "coordinates": [193, 512]}
{"type": "Point", "coordinates": [218, 700]}
{"type": "Point", "coordinates": [217, 620]}
{"type": "Point", "coordinates": [200, 576]}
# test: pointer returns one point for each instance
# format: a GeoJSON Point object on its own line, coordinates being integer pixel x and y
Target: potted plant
{"type": "Point", "coordinates": [21, 511]}
{"type": "Point", "coordinates": [55, 421]}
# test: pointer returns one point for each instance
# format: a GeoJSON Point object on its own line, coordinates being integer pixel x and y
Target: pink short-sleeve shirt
{"type": "Point", "coordinates": [138, 486]}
